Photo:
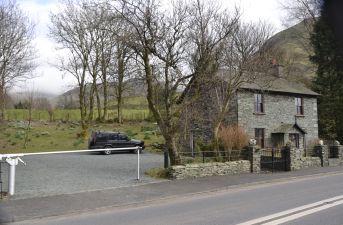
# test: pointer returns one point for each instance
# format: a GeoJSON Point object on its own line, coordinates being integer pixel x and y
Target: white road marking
{"type": "Point", "coordinates": [294, 210]}
{"type": "Point", "coordinates": [302, 214]}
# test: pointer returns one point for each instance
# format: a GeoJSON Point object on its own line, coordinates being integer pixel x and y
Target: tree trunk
{"type": "Point", "coordinates": [219, 119]}
{"type": "Point", "coordinates": [119, 109]}
{"type": "Point", "coordinates": [83, 112]}
{"type": "Point", "coordinates": [105, 90]}
{"type": "Point", "coordinates": [2, 99]}
{"type": "Point", "coordinates": [174, 156]}
{"type": "Point", "coordinates": [98, 102]}
{"type": "Point", "coordinates": [91, 103]}
{"type": "Point", "coordinates": [121, 71]}
{"type": "Point", "coordinates": [215, 140]}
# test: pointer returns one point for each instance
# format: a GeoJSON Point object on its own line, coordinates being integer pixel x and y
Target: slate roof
{"type": "Point", "coordinates": [280, 85]}
{"type": "Point", "coordinates": [284, 128]}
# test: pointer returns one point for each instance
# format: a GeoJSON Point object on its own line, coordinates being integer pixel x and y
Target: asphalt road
{"type": "Point", "coordinates": [232, 206]}
{"type": "Point", "coordinates": [46, 175]}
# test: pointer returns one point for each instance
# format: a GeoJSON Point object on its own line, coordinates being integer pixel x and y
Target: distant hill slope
{"type": "Point", "coordinates": [293, 48]}
{"type": "Point", "coordinates": [133, 88]}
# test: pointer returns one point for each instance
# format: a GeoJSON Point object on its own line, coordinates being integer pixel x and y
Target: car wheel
{"type": "Point", "coordinates": [107, 152]}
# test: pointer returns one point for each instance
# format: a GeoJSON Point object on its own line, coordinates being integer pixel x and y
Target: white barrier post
{"type": "Point", "coordinates": [12, 162]}
{"type": "Point", "coordinates": [138, 152]}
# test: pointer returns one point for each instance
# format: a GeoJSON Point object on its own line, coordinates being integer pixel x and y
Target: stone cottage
{"type": "Point", "coordinates": [275, 114]}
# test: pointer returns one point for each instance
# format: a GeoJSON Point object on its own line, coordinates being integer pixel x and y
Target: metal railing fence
{"type": "Point", "coordinates": [213, 156]}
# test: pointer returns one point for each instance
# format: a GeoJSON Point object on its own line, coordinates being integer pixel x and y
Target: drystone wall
{"type": "Point", "coordinates": [209, 169]}
{"type": "Point", "coordinates": [298, 162]}
{"type": "Point", "coordinates": [306, 162]}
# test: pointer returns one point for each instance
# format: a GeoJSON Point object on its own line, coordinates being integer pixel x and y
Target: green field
{"type": "Point", "coordinates": [71, 114]}
{"type": "Point", "coordinates": [54, 136]}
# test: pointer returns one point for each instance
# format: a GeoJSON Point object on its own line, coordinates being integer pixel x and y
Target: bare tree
{"type": "Point", "coordinates": [158, 38]}
{"type": "Point", "coordinates": [164, 42]}
{"type": "Point", "coordinates": [121, 73]}
{"type": "Point", "coordinates": [244, 61]}
{"type": "Point", "coordinates": [16, 50]}
{"type": "Point", "coordinates": [70, 30]}
{"type": "Point", "coordinates": [299, 10]}
{"type": "Point", "coordinates": [209, 26]}
{"type": "Point", "coordinates": [30, 99]}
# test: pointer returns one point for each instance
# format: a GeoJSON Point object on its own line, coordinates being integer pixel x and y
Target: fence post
{"type": "Point", "coordinates": [255, 158]}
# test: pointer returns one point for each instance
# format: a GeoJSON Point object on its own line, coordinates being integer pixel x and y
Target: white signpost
{"type": "Point", "coordinates": [13, 160]}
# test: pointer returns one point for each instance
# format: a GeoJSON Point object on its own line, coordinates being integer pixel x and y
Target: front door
{"type": "Point", "coordinates": [294, 138]}
{"type": "Point", "coordinates": [278, 140]}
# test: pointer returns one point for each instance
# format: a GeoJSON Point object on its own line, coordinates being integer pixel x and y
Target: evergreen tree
{"type": "Point", "coordinates": [329, 80]}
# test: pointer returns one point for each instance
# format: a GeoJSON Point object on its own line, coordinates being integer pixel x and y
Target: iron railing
{"type": "Point", "coordinates": [333, 151]}
{"type": "Point", "coordinates": [310, 152]}
{"type": "Point", "coordinates": [212, 156]}
{"type": "Point", "coordinates": [272, 152]}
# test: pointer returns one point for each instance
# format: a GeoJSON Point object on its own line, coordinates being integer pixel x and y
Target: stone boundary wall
{"type": "Point", "coordinates": [299, 162]}
{"type": "Point", "coordinates": [209, 169]}
{"type": "Point", "coordinates": [335, 162]}
{"type": "Point", "coordinates": [323, 152]}
{"type": "Point", "coordinates": [306, 162]}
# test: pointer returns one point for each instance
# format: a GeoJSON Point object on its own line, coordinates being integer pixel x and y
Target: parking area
{"type": "Point", "coordinates": [46, 175]}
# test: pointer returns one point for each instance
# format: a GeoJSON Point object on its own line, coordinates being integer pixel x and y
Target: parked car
{"type": "Point", "coordinates": [110, 140]}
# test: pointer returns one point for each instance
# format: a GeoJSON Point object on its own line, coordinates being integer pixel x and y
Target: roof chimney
{"type": "Point", "coordinates": [277, 69]}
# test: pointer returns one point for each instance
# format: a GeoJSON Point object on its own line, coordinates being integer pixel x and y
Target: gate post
{"type": "Point", "coordinates": [255, 158]}
{"type": "Point", "coordinates": [340, 153]}
{"type": "Point", "coordinates": [289, 156]}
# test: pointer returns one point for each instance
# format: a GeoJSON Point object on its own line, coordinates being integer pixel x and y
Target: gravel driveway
{"type": "Point", "coordinates": [70, 173]}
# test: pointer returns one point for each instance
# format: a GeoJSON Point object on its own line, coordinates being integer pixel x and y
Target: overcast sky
{"type": "Point", "coordinates": [50, 79]}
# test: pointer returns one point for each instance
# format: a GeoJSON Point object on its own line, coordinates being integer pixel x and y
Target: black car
{"type": "Point", "coordinates": [110, 140]}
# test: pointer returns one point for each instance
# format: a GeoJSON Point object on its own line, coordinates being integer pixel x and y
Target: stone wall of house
{"type": "Point", "coordinates": [209, 169]}
{"type": "Point", "coordinates": [278, 109]}
{"type": "Point", "coordinates": [197, 117]}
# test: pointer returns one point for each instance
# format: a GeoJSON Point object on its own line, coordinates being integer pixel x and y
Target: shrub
{"type": "Point", "coordinates": [78, 142]}
{"type": "Point", "coordinates": [233, 137]}
{"type": "Point", "coordinates": [130, 133]}
{"type": "Point", "coordinates": [19, 134]}
{"type": "Point", "coordinates": [146, 137]}
{"type": "Point", "coordinates": [157, 173]}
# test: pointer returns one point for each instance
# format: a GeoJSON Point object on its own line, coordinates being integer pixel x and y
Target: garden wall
{"type": "Point", "coordinates": [209, 169]}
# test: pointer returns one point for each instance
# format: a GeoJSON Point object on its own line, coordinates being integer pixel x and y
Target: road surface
{"type": "Point", "coordinates": [47, 175]}
{"type": "Point", "coordinates": [308, 200]}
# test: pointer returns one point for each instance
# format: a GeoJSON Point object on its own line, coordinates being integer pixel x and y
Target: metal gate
{"type": "Point", "coordinates": [274, 159]}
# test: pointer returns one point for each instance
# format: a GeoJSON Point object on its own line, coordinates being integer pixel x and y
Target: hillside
{"type": "Point", "coordinates": [135, 90]}
{"type": "Point", "coordinates": [293, 49]}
